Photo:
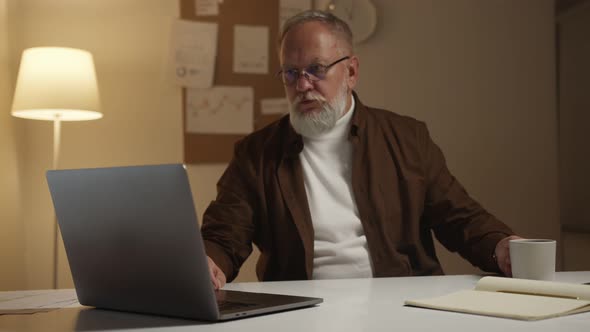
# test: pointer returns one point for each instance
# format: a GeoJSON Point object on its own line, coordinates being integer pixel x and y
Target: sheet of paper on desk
{"type": "Point", "coordinates": [514, 298]}
{"type": "Point", "coordinates": [28, 302]}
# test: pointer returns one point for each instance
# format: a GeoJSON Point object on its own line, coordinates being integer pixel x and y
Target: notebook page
{"type": "Point", "coordinates": [535, 287]}
{"type": "Point", "coordinates": [507, 305]}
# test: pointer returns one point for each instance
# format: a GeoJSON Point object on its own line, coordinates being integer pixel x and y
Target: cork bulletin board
{"type": "Point", "coordinates": [218, 148]}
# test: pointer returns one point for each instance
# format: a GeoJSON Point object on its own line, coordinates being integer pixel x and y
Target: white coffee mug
{"type": "Point", "coordinates": [533, 258]}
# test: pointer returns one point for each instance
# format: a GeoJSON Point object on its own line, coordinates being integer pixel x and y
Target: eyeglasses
{"type": "Point", "coordinates": [312, 73]}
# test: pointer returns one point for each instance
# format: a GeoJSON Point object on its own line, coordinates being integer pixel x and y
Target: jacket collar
{"type": "Point", "coordinates": [358, 122]}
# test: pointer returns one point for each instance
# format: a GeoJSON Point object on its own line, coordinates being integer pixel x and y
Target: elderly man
{"type": "Point", "coordinates": [337, 189]}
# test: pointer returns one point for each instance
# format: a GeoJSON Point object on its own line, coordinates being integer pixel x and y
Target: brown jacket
{"type": "Point", "coordinates": [402, 188]}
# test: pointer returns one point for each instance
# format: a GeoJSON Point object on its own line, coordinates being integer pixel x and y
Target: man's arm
{"type": "Point", "coordinates": [229, 221]}
{"type": "Point", "coordinates": [458, 221]}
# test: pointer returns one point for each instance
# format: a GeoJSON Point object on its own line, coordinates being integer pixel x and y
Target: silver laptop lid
{"type": "Point", "coordinates": [129, 233]}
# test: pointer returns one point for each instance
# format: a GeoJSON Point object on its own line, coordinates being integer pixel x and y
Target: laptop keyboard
{"type": "Point", "coordinates": [233, 305]}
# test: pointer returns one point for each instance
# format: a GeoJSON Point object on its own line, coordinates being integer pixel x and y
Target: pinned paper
{"type": "Point", "coordinates": [250, 49]}
{"type": "Point", "coordinates": [270, 106]}
{"type": "Point", "coordinates": [206, 7]}
{"type": "Point", "coordinates": [288, 8]}
{"type": "Point", "coordinates": [220, 110]}
{"type": "Point", "coordinates": [193, 48]}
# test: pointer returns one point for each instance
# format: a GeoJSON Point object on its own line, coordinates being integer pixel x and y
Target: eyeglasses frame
{"type": "Point", "coordinates": [311, 78]}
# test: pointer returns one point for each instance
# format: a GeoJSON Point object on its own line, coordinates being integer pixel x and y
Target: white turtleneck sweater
{"type": "Point", "coordinates": [340, 245]}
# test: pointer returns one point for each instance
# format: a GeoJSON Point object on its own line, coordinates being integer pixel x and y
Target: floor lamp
{"type": "Point", "coordinates": [56, 84]}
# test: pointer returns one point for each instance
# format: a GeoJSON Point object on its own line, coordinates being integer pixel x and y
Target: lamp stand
{"type": "Point", "coordinates": [56, 84]}
{"type": "Point", "coordinates": [56, 143]}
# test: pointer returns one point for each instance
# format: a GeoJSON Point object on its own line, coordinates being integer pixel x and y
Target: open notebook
{"type": "Point", "coordinates": [514, 298]}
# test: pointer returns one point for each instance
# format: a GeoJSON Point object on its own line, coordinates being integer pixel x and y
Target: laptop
{"type": "Point", "coordinates": [133, 244]}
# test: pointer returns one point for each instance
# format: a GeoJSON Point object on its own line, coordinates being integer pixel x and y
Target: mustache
{"type": "Point", "coordinates": [309, 96]}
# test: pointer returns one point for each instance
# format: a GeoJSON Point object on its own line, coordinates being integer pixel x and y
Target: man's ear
{"type": "Point", "coordinates": [353, 71]}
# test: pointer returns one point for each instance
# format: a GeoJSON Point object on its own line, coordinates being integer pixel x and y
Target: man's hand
{"type": "Point", "coordinates": [217, 276]}
{"type": "Point", "coordinates": [502, 254]}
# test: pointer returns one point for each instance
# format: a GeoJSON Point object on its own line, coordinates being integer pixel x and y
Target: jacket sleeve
{"type": "Point", "coordinates": [229, 221]}
{"type": "Point", "coordinates": [459, 222]}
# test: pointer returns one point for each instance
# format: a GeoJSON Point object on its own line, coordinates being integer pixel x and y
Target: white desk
{"type": "Point", "coordinates": [349, 305]}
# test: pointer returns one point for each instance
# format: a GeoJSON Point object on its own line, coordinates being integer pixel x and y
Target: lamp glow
{"type": "Point", "coordinates": [56, 82]}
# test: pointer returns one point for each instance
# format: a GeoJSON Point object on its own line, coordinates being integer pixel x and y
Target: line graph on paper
{"type": "Point", "coordinates": [220, 110]}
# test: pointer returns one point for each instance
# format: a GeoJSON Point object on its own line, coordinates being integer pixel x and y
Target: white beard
{"type": "Point", "coordinates": [314, 124]}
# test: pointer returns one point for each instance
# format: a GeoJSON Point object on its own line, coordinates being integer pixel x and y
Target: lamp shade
{"type": "Point", "coordinates": [56, 83]}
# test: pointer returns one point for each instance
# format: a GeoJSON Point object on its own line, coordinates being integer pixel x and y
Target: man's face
{"type": "Point", "coordinates": [315, 105]}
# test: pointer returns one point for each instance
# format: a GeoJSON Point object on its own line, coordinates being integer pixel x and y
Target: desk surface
{"type": "Point", "coordinates": [349, 305]}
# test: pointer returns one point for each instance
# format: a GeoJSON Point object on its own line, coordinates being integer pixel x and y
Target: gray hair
{"type": "Point", "coordinates": [335, 24]}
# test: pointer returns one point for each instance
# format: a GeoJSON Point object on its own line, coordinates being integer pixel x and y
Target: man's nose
{"type": "Point", "coordinates": [303, 83]}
